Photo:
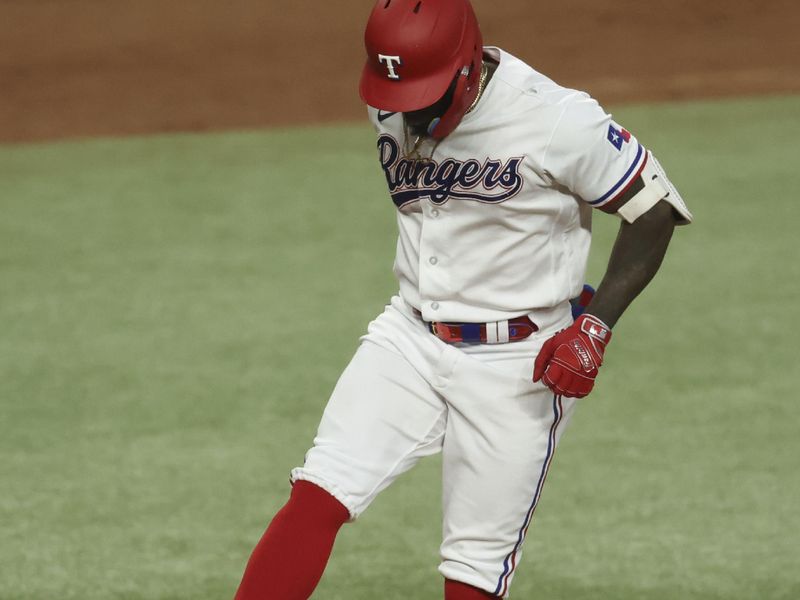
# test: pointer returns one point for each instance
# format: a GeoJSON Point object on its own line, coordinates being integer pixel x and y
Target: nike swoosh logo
{"type": "Point", "coordinates": [383, 116]}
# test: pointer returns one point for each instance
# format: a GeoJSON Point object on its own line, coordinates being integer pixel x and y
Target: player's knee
{"type": "Point", "coordinates": [455, 590]}
{"type": "Point", "coordinates": [316, 503]}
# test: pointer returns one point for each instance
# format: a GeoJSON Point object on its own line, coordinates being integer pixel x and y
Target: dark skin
{"type": "Point", "coordinates": [636, 257]}
{"type": "Point", "coordinates": [418, 120]}
{"type": "Point", "coordinates": [638, 250]}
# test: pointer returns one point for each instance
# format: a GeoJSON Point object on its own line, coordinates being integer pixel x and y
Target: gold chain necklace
{"type": "Point", "coordinates": [414, 152]}
{"type": "Point", "coordinates": [481, 86]}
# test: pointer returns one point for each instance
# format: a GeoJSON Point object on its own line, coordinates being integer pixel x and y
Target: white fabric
{"type": "Point", "coordinates": [502, 332]}
{"type": "Point", "coordinates": [406, 395]}
{"type": "Point", "coordinates": [644, 200]}
{"type": "Point", "coordinates": [497, 332]}
{"type": "Point", "coordinates": [503, 208]}
{"type": "Point", "coordinates": [657, 186]}
{"type": "Point", "coordinates": [655, 170]}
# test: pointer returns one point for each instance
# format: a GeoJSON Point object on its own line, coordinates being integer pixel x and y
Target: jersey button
{"type": "Point", "coordinates": [433, 260]}
{"type": "Point", "coordinates": [434, 306]}
{"type": "Point", "coordinates": [435, 213]}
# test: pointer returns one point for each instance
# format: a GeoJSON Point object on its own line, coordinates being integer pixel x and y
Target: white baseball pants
{"type": "Point", "coordinates": [406, 394]}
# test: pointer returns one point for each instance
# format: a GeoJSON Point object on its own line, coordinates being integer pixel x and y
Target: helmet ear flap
{"type": "Point", "coordinates": [464, 95]}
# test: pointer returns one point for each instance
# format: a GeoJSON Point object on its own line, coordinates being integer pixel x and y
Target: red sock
{"type": "Point", "coordinates": [289, 560]}
{"type": "Point", "coordinates": [455, 590]}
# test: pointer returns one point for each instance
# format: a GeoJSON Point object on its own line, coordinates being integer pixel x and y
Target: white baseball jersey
{"type": "Point", "coordinates": [497, 223]}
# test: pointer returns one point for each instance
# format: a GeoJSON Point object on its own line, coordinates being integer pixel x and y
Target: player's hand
{"type": "Point", "coordinates": [568, 361]}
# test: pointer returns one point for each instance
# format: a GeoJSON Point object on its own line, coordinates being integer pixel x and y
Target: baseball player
{"type": "Point", "coordinates": [493, 170]}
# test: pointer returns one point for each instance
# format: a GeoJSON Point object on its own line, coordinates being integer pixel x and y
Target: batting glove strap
{"type": "Point", "coordinates": [569, 361]}
{"type": "Point", "coordinates": [594, 328]}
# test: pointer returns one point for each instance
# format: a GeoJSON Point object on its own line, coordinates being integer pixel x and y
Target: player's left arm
{"type": "Point", "coordinates": [650, 207]}
{"type": "Point", "coordinates": [568, 362]}
{"type": "Point", "coordinates": [635, 258]}
{"type": "Point", "coordinates": [606, 166]}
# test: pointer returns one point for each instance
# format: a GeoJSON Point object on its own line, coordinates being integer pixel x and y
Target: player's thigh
{"type": "Point", "coordinates": [500, 441]}
{"type": "Point", "coordinates": [381, 418]}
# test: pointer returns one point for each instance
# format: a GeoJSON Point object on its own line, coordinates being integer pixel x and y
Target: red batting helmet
{"type": "Point", "coordinates": [415, 49]}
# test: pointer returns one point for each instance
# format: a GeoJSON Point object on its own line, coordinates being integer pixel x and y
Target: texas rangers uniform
{"type": "Point", "coordinates": [494, 231]}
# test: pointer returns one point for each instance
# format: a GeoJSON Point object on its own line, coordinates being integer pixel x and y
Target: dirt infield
{"type": "Point", "coordinates": [107, 67]}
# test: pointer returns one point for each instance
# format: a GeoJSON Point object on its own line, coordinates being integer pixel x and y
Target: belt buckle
{"type": "Point", "coordinates": [440, 332]}
{"type": "Point", "coordinates": [444, 332]}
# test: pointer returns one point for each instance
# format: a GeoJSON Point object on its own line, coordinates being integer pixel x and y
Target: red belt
{"type": "Point", "coordinates": [476, 333]}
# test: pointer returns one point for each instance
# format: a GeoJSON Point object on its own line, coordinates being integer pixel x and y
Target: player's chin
{"type": "Point", "coordinates": [418, 126]}
{"type": "Point", "coordinates": [418, 121]}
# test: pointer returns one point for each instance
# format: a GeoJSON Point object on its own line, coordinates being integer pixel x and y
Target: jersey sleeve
{"type": "Point", "coordinates": [593, 156]}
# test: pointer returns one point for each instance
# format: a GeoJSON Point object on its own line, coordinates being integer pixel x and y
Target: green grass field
{"type": "Point", "coordinates": [175, 311]}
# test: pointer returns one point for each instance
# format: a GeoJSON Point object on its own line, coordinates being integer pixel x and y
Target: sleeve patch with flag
{"type": "Point", "coordinates": [608, 201]}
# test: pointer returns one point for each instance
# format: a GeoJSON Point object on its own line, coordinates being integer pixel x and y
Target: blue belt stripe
{"type": "Point", "coordinates": [471, 333]}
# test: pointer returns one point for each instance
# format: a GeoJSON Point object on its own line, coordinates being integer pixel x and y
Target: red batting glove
{"type": "Point", "coordinates": [568, 361]}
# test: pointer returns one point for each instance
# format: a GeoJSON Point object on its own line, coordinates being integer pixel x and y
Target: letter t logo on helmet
{"type": "Point", "coordinates": [439, 41]}
{"type": "Point", "coordinates": [390, 62]}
